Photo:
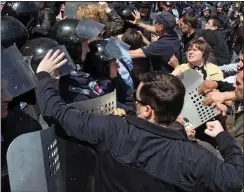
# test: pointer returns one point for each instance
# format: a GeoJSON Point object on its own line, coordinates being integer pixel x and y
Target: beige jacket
{"type": "Point", "coordinates": [214, 73]}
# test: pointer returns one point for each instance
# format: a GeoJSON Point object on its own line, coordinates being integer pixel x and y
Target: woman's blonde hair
{"type": "Point", "coordinates": [92, 11]}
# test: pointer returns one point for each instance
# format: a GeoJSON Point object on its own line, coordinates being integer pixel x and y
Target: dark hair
{"type": "Point", "coordinates": [133, 38]}
{"type": "Point", "coordinates": [242, 51]}
{"type": "Point", "coordinates": [202, 45]}
{"type": "Point", "coordinates": [190, 18]}
{"type": "Point", "coordinates": [164, 93]}
{"type": "Point", "coordinates": [217, 22]}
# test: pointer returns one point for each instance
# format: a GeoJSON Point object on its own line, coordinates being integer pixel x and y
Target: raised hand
{"type": "Point", "coordinates": [51, 63]}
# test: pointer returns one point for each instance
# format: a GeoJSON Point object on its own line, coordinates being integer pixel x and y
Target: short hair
{"type": "Point", "coordinates": [92, 11]}
{"type": "Point", "coordinates": [190, 18]}
{"type": "Point", "coordinates": [202, 45]}
{"type": "Point", "coordinates": [133, 38]}
{"type": "Point", "coordinates": [164, 93]}
{"type": "Point", "coordinates": [217, 22]}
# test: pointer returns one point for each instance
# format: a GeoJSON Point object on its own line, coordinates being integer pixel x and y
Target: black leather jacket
{"type": "Point", "coordinates": [43, 24]}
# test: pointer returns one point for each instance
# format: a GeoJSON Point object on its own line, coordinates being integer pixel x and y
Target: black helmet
{"type": "Point", "coordinates": [168, 3]}
{"type": "Point", "coordinates": [64, 33]}
{"type": "Point", "coordinates": [207, 8]}
{"type": "Point", "coordinates": [220, 5]}
{"type": "Point", "coordinates": [98, 60]}
{"type": "Point", "coordinates": [144, 7]}
{"type": "Point", "coordinates": [13, 31]}
{"type": "Point", "coordinates": [37, 49]}
{"type": "Point", "coordinates": [125, 12]}
{"type": "Point", "coordinates": [24, 11]}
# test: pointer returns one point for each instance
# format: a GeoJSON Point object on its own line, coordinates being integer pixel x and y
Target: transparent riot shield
{"type": "Point", "coordinates": [88, 28]}
{"type": "Point", "coordinates": [17, 78]}
{"type": "Point", "coordinates": [193, 110]}
{"type": "Point", "coordinates": [117, 48]}
{"type": "Point", "coordinates": [66, 68]}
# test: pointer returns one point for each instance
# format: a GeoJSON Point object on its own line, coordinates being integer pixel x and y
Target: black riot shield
{"type": "Point", "coordinates": [34, 163]}
{"type": "Point", "coordinates": [79, 162]}
{"type": "Point", "coordinates": [17, 77]}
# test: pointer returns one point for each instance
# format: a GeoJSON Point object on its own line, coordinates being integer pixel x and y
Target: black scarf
{"type": "Point", "coordinates": [201, 70]}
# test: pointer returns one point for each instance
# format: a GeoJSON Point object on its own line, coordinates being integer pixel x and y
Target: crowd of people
{"type": "Point", "coordinates": [142, 50]}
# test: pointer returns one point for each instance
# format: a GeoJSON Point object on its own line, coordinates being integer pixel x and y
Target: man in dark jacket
{"type": "Point", "coordinates": [168, 44]}
{"type": "Point", "coordinates": [188, 25]}
{"type": "Point", "coordinates": [141, 153]}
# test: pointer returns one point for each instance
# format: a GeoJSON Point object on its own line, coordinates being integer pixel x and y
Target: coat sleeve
{"type": "Point", "coordinates": [227, 175]}
{"type": "Point", "coordinates": [91, 128]}
{"type": "Point", "coordinates": [225, 86]}
{"type": "Point", "coordinates": [48, 18]}
{"type": "Point", "coordinates": [115, 23]}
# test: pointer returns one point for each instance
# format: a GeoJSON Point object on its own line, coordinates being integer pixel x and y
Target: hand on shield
{"type": "Point", "coordinates": [51, 63]}
{"type": "Point", "coordinates": [119, 112]}
{"type": "Point", "coordinates": [178, 71]}
{"type": "Point", "coordinates": [213, 97]}
{"type": "Point", "coordinates": [207, 87]}
{"type": "Point", "coordinates": [213, 128]}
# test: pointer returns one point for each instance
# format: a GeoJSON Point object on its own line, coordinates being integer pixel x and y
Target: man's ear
{"type": "Point", "coordinates": [161, 27]}
{"type": "Point", "coordinates": [148, 113]}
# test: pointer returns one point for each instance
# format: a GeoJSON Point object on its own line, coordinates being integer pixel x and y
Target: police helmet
{"type": "Point", "coordinates": [65, 34]}
{"type": "Point", "coordinates": [98, 60]}
{"type": "Point", "coordinates": [13, 31]}
{"type": "Point", "coordinates": [36, 48]}
{"type": "Point", "coordinates": [25, 11]}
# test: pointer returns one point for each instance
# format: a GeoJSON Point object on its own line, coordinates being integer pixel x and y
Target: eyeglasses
{"type": "Point", "coordinates": [135, 99]}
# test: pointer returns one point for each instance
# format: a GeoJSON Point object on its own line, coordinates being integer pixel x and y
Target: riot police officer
{"type": "Point", "coordinates": [64, 32]}
{"type": "Point", "coordinates": [222, 15]}
{"type": "Point", "coordinates": [103, 67]}
{"type": "Point", "coordinates": [206, 13]}
{"type": "Point", "coordinates": [17, 79]}
{"type": "Point", "coordinates": [24, 11]}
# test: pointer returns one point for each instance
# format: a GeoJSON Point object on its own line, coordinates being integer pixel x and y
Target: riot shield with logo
{"type": "Point", "coordinates": [193, 110]}
{"type": "Point", "coordinates": [17, 77]}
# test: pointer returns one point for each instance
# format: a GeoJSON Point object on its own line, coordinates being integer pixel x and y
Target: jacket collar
{"type": "Point", "coordinates": [155, 129]}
